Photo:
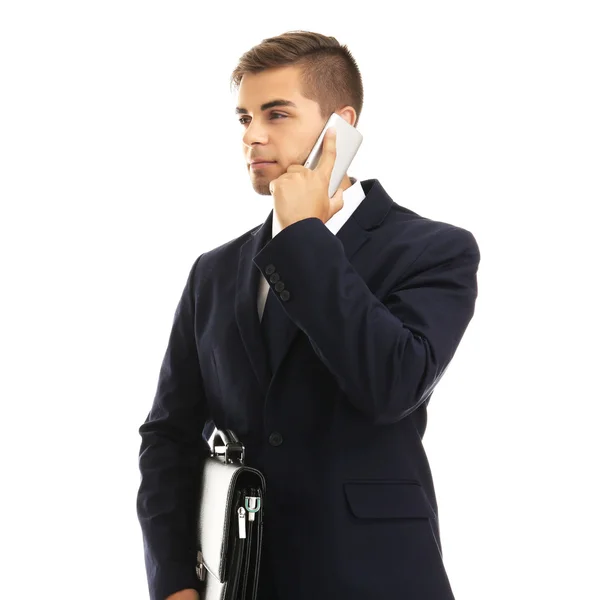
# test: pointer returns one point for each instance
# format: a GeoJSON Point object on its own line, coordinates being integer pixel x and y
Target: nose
{"type": "Point", "coordinates": [255, 134]}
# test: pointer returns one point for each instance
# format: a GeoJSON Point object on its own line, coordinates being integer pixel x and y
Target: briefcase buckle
{"type": "Point", "coordinates": [231, 446]}
{"type": "Point", "coordinates": [200, 568]}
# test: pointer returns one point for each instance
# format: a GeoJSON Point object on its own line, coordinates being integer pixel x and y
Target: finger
{"type": "Point", "coordinates": [328, 158]}
{"type": "Point", "coordinates": [336, 202]}
{"type": "Point", "coordinates": [296, 169]}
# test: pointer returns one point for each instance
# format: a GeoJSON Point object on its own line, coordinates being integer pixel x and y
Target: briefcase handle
{"type": "Point", "coordinates": [225, 443]}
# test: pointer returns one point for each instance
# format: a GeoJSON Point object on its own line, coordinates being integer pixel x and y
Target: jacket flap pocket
{"type": "Point", "coordinates": [387, 499]}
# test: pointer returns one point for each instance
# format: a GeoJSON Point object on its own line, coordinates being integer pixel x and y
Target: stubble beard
{"type": "Point", "coordinates": [261, 183]}
{"type": "Point", "coordinates": [261, 186]}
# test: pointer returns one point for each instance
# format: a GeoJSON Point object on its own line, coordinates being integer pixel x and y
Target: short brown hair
{"type": "Point", "coordinates": [329, 73]}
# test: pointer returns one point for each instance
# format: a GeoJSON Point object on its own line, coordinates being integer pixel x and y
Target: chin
{"type": "Point", "coordinates": [261, 187]}
{"type": "Point", "coordinates": [263, 192]}
{"type": "Point", "coordinates": [261, 184]}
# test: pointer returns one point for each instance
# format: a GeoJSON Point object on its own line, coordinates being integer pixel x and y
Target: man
{"type": "Point", "coordinates": [366, 303]}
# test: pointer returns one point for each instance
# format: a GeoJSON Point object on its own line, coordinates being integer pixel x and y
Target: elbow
{"type": "Point", "coordinates": [407, 387]}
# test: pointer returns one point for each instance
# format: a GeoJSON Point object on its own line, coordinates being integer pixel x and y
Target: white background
{"type": "Point", "coordinates": [120, 163]}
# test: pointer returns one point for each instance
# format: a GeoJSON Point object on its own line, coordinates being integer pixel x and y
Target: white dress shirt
{"type": "Point", "coordinates": [352, 197]}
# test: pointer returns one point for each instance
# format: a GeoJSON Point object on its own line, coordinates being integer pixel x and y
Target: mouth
{"type": "Point", "coordinates": [261, 165]}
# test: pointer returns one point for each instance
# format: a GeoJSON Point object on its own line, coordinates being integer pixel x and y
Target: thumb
{"type": "Point", "coordinates": [336, 202]}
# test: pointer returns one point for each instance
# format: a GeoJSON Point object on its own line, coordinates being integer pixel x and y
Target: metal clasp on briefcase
{"type": "Point", "coordinates": [200, 567]}
{"type": "Point", "coordinates": [231, 445]}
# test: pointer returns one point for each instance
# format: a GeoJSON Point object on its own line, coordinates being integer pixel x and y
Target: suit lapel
{"type": "Point", "coordinates": [353, 235]}
{"type": "Point", "coordinates": [246, 307]}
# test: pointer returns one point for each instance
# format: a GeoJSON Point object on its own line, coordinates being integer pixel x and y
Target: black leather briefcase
{"type": "Point", "coordinates": [230, 522]}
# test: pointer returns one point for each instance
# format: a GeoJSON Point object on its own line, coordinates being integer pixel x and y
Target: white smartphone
{"type": "Point", "coordinates": [348, 140]}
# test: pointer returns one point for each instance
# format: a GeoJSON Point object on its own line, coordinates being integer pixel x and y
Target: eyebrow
{"type": "Point", "coordinates": [242, 111]}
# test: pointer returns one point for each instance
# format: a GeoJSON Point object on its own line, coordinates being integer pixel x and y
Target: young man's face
{"type": "Point", "coordinates": [284, 135]}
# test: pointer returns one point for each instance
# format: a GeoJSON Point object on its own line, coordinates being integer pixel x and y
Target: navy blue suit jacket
{"type": "Point", "coordinates": [376, 313]}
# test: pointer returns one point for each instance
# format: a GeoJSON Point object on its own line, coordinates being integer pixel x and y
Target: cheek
{"type": "Point", "coordinates": [299, 159]}
{"type": "Point", "coordinates": [304, 150]}
{"type": "Point", "coordinates": [293, 159]}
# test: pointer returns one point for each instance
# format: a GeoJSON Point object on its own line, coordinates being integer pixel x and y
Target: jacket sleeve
{"type": "Point", "coordinates": [171, 453]}
{"type": "Point", "coordinates": [387, 355]}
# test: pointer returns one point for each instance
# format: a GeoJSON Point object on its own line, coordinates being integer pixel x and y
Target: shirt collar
{"type": "Point", "coordinates": [352, 197]}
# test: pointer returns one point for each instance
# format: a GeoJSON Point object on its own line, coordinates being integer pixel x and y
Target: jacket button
{"type": "Point", "coordinates": [285, 295]}
{"type": "Point", "coordinates": [274, 278]}
{"type": "Point", "coordinates": [270, 269]}
{"type": "Point", "coordinates": [275, 439]}
{"type": "Point", "coordinates": [280, 286]}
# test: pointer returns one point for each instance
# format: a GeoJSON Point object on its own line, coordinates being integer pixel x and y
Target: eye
{"type": "Point", "coordinates": [274, 114]}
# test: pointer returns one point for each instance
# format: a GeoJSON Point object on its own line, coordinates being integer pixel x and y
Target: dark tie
{"type": "Point", "coordinates": [275, 325]}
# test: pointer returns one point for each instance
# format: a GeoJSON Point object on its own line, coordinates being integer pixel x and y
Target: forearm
{"type": "Point", "coordinates": [387, 355]}
{"type": "Point", "coordinates": [171, 454]}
